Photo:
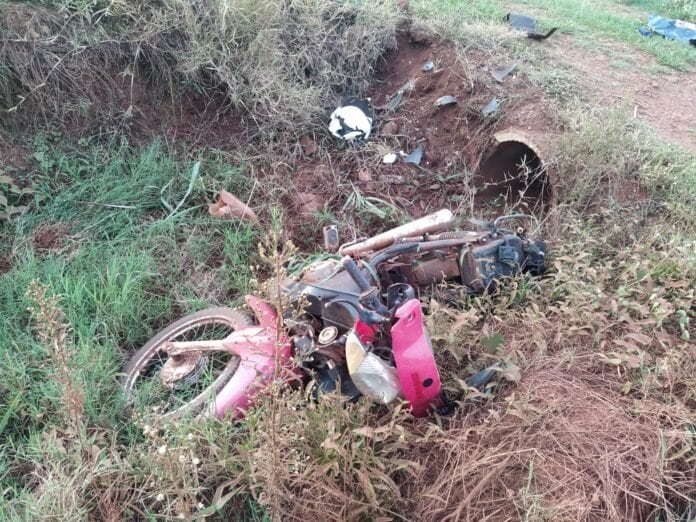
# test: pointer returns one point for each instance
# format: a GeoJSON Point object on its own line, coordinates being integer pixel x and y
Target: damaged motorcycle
{"type": "Point", "coordinates": [351, 322]}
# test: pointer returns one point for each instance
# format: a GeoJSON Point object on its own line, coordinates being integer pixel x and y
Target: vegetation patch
{"type": "Point", "coordinates": [594, 415]}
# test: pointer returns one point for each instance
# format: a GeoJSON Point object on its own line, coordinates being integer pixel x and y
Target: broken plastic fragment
{"type": "Point", "coordinates": [396, 100]}
{"type": "Point", "coordinates": [522, 22]}
{"type": "Point", "coordinates": [428, 66]}
{"type": "Point", "coordinates": [445, 100]}
{"type": "Point", "coordinates": [528, 25]}
{"type": "Point", "coordinates": [353, 120]}
{"type": "Point", "coordinates": [492, 107]}
{"type": "Point", "coordinates": [500, 74]}
{"type": "Point", "coordinates": [416, 156]}
{"type": "Point", "coordinates": [389, 158]}
{"type": "Point", "coordinates": [229, 206]}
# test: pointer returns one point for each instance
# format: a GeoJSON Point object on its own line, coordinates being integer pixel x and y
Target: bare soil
{"type": "Point", "coordinates": [50, 236]}
{"type": "Point", "coordinates": [456, 138]}
{"type": "Point", "coordinates": [616, 74]}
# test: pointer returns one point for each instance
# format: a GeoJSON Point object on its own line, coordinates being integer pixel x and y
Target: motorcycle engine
{"type": "Point", "coordinates": [323, 303]}
{"type": "Point", "coordinates": [325, 290]}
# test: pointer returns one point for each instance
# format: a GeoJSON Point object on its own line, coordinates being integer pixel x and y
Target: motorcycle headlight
{"type": "Point", "coordinates": [373, 376]}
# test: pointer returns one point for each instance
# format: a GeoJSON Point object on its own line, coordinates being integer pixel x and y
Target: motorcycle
{"type": "Point", "coordinates": [351, 323]}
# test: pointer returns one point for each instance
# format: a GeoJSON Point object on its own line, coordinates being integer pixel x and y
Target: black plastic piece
{"type": "Point", "coordinates": [329, 379]}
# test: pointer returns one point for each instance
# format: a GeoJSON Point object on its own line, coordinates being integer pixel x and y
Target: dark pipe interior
{"type": "Point", "coordinates": [513, 176]}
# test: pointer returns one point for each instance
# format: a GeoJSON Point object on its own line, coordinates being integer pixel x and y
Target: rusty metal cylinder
{"type": "Point", "coordinates": [436, 270]}
{"type": "Point", "coordinates": [437, 222]}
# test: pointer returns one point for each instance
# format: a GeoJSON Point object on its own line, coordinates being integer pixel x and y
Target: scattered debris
{"type": "Point", "coordinates": [364, 175]}
{"type": "Point", "coordinates": [528, 25]}
{"type": "Point", "coordinates": [396, 100]}
{"type": "Point", "coordinates": [677, 30]}
{"type": "Point", "coordinates": [491, 107]}
{"type": "Point", "coordinates": [500, 74]}
{"type": "Point", "coordinates": [310, 203]}
{"type": "Point", "coordinates": [391, 128]}
{"type": "Point", "coordinates": [308, 146]}
{"type": "Point", "coordinates": [428, 66]}
{"type": "Point", "coordinates": [389, 159]}
{"type": "Point", "coordinates": [352, 121]}
{"type": "Point", "coordinates": [229, 206]}
{"type": "Point", "coordinates": [416, 156]}
{"type": "Point", "coordinates": [445, 100]}
{"type": "Point", "coordinates": [331, 239]}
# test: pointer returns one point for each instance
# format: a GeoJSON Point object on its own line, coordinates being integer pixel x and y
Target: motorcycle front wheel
{"type": "Point", "coordinates": [151, 393]}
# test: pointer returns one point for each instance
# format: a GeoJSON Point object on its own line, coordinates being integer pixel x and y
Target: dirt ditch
{"type": "Point", "coordinates": [460, 138]}
{"type": "Point", "coordinates": [479, 164]}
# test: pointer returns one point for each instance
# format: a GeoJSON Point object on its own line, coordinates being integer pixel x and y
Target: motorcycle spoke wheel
{"type": "Point", "coordinates": [152, 392]}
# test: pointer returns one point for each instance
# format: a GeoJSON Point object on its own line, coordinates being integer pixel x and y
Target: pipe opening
{"type": "Point", "coordinates": [513, 177]}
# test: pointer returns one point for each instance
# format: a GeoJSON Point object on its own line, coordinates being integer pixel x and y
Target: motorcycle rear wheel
{"type": "Point", "coordinates": [216, 368]}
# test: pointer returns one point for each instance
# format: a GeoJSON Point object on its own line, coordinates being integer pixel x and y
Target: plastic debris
{"type": "Point", "coordinates": [527, 24]}
{"type": "Point", "coordinates": [428, 66]}
{"type": "Point", "coordinates": [229, 206]}
{"type": "Point", "coordinates": [416, 156]}
{"type": "Point", "coordinates": [670, 29]}
{"type": "Point", "coordinates": [491, 107]}
{"type": "Point", "coordinates": [500, 74]}
{"type": "Point", "coordinates": [352, 121]}
{"type": "Point", "coordinates": [445, 100]}
{"type": "Point", "coordinates": [389, 159]}
{"type": "Point", "coordinates": [396, 100]}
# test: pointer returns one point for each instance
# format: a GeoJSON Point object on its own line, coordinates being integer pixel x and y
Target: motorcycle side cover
{"type": "Point", "coordinates": [413, 354]}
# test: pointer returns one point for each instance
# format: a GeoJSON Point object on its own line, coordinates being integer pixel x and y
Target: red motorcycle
{"type": "Point", "coordinates": [352, 323]}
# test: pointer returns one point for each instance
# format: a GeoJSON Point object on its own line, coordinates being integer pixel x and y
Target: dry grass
{"type": "Point", "coordinates": [593, 420]}
{"type": "Point", "coordinates": [280, 64]}
{"type": "Point", "coordinates": [563, 446]}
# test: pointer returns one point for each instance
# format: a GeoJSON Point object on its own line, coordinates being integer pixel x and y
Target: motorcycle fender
{"type": "Point", "coordinates": [264, 354]}
{"type": "Point", "coordinates": [415, 363]}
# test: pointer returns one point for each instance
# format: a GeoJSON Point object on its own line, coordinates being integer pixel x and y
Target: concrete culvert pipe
{"type": "Point", "coordinates": [512, 173]}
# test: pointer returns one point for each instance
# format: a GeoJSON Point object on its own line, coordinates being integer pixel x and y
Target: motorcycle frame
{"type": "Point", "coordinates": [265, 355]}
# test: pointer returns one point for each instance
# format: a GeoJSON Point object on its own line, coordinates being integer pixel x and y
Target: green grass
{"type": "Point", "coordinates": [590, 19]}
{"type": "Point", "coordinates": [126, 265]}
{"type": "Point", "coordinates": [125, 268]}
{"type": "Point", "coordinates": [682, 9]}
{"type": "Point", "coordinates": [587, 20]}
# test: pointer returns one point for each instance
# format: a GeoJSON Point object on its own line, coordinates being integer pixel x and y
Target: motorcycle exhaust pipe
{"type": "Point", "coordinates": [437, 222]}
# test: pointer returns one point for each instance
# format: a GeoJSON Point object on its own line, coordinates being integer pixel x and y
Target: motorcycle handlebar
{"type": "Point", "coordinates": [354, 270]}
{"type": "Point", "coordinates": [370, 294]}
